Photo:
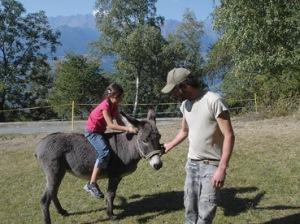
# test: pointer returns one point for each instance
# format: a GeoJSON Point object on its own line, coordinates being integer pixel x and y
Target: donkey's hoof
{"type": "Point", "coordinates": [64, 212]}
{"type": "Point", "coordinates": [112, 217]}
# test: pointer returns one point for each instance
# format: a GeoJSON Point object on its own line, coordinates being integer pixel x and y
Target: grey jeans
{"type": "Point", "coordinates": [200, 197]}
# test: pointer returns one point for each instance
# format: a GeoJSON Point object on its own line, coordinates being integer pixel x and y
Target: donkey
{"type": "Point", "coordinates": [59, 153]}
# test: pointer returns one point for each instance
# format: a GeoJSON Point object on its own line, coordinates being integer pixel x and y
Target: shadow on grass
{"type": "Point", "coordinates": [160, 204]}
{"type": "Point", "coordinates": [291, 219]}
{"type": "Point", "coordinates": [234, 205]}
{"type": "Point", "coordinates": [96, 221]}
{"type": "Point", "coordinates": [279, 207]}
{"type": "Point", "coordinates": [86, 212]}
{"type": "Point", "coordinates": [168, 202]}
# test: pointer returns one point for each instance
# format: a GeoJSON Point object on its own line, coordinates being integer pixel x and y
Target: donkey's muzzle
{"type": "Point", "coordinates": [157, 166]}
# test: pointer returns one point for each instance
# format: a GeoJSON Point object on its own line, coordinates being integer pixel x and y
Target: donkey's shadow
{"type": "Point", "coordinates": [161, 203]}
{"type": "Point", "coordinates": [168, 202]}
{"type": "Point", "coordinates": [158, 204]}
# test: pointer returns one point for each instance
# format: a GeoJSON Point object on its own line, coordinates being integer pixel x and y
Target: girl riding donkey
{"type": "Point", "coordinates": [99, 119]}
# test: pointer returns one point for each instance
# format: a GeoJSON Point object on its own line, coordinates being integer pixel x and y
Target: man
{"type": "Point", "coordinates": [207, 125]}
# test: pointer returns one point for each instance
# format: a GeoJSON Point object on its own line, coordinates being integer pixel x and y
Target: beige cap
{"type": "Point", "coordinates": [175, 76]}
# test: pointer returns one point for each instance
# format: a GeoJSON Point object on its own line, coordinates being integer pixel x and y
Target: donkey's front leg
{"type": "Point", "coordinates": [113, 183]}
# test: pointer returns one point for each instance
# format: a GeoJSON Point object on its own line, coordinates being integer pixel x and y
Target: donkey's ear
{"type": "Point", "coordinates": [151, 115]}
{"type": "Point", "coordinates": [130, 119]}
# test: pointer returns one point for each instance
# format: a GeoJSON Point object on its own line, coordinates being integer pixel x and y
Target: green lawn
{"type": "Point", "coordinates": [262, 186]}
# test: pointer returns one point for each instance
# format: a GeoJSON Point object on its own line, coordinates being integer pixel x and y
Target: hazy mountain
{"type": "Point", "coordinates": [82, 21]}
{"type": "Point", "coordinates": [75, 39]}
{"type": "Point", "coordinates": [79, 30]}
{"type": "Point", "coordinates": [209, 36]}
{"type": "Point", "coordinates": [169, 26]}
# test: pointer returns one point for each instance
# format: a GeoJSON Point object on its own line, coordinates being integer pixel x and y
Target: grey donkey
{"type": "Point", "coordinates": [59, 153]}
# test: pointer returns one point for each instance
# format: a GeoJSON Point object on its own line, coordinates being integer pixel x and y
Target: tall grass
{"type": "Point", "coordinates": [262, 184]}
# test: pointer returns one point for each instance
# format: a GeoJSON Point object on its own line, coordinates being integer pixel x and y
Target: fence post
{"type": "Point", "coordinates": [72, 121]}
{"type": "Point", "coordinates": [255, 102]}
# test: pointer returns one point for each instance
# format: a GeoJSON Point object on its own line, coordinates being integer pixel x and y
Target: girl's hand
{"type": "Point", "coordinates": [133, 130]}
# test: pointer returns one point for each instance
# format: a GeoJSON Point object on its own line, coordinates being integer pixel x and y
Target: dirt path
{"type": "Point", "coordinates": [22, 135]}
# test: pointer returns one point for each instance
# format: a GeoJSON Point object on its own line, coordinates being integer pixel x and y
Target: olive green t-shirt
{"type": "Point", "coordinates": [205, 137]}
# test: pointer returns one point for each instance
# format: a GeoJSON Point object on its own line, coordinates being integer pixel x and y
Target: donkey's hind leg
{"type": "Point", "coordinates": [54, 176]}
{"type": "Point", "coordinates": [56, 202]}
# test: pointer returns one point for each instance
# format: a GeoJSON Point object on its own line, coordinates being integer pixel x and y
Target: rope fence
{"type": "Point", "coordinates": [72, 105]}
{"type": "Point", "coordinates": [44, 119]}
{"type": "Point", "coordinates": [80, 111]}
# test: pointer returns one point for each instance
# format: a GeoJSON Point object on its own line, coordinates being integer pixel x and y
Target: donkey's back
{"type": "Point", "coordinates": [73, 153]}
{"type": "Point", "coordinates": [61, 152]}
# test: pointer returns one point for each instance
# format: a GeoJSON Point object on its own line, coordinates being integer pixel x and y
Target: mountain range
{"type": "Point", "coordinates": [79, 30]}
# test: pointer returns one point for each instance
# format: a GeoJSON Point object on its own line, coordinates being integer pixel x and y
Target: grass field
{"type": "Point", "coordinates": [262, 186]}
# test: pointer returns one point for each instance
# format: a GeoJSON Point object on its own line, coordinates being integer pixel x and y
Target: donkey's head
{"type": "Point", "coordinates": [147, 141]}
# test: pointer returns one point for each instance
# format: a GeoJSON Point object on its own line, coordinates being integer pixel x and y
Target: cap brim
{"type": "Point", "coordinates": [168, 88]}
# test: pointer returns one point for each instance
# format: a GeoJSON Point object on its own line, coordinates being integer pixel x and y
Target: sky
{"type": "Point", "coordinates": [170, 9]}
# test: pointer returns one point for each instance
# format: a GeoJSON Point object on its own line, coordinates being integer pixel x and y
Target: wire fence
{"type": "Point", "coordinates": [76, 115]}
{"type": "Point", "coordinates": [80, 111]}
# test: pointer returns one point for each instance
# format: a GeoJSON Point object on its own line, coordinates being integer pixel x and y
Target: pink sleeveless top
{"type": "Point", "coordinates": [96, 122]}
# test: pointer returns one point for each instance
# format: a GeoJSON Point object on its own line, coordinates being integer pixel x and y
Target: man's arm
{"type": "Point", "coordinates": [227, 131]}
{"type": "Point", "coordinates": [181, 135]}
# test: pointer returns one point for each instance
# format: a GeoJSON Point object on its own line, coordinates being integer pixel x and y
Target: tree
{"type": "Point", "coordinates": [258, 51]}
{"type": "Point", "coordinates": [189, 34]}
{"type": "Point", "coordinates": [142, 59]}
{"type": "Point", "coordinates": [25, 43]}
{"type": "Point", "coordinates": [77, 79]}
{"type": "Point", "coordinates": [131, 32]}
{"type": "Point", "coordinates": [182, 49]}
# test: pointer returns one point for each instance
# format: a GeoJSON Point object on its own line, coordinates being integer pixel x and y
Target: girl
{"type": "Point", "coordinates": [99, 119]}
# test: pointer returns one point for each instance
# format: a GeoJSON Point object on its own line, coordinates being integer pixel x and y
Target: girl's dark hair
{"type": "Point", "coordinates": [113, 89]}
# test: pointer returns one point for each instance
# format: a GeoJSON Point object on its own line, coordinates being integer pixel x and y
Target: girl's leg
{"type": "Point", "coordinates": [92, 187]}
{"type": "Point", "coordinates": [96, 172]}
{"type": "Point", "coordinates": [102, 150]}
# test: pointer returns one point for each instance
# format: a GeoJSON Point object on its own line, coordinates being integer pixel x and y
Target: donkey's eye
{"type": "Point", "coordinates": [146, 140]}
